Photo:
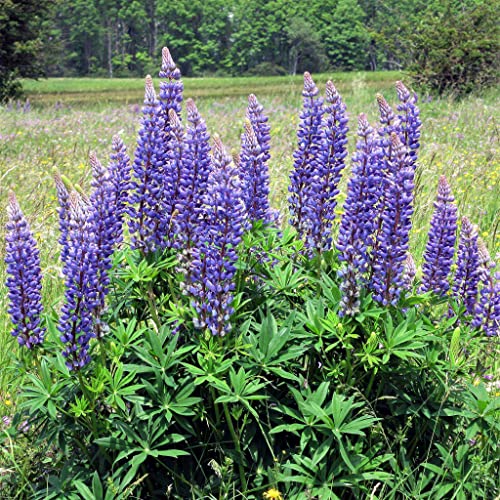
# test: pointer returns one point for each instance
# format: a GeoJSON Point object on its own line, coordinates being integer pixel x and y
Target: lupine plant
{"type": "Point", "coordinates": [209, 353]}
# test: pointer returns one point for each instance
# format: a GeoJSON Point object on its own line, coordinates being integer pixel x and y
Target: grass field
{"type": "Point", "coordinates": [70, 117]}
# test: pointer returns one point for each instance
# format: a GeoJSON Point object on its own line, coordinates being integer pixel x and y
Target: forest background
{"type": "Point", "coordinates": [122, 38]}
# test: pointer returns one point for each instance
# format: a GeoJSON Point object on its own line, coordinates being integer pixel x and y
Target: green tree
{"type": "Point", "coordinates": [346, 38]}
{"type": "Point", "coordinates": [21, 23]}
{"type": "Point", "coordinates": [307, 52]}
{"type": "Point", "coordinates": [197, 32]}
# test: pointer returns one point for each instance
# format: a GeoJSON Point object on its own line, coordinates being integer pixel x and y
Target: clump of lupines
{"type": "Point", "coordinates": [391, 247]}
{"type": "Point", "coordinates": [357, 223]}
{"type": "Point", "coordinates": [332, 161]}
{"type": "Point", "coordinates": [307, 162]}
{"type": "Point", "coordinates": [176, 186]}
{"type": "Point", "coordinates": [440, 248]}
{"type": "Point", "coordinates": [24, 278]}
{"type": "Point", "coordinates": [76, 323]}
{"type": "Point", "coordinates": [254, 175]}
{"type": "Point", "coordinates": [466, 279]}
{"type": "Point", "coordinates": [147, 222]}
{"type": "Point", "coordinates": [214, 255]}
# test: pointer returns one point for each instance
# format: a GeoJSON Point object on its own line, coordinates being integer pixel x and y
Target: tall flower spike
{"type": "Point", "coordinates": [487, 310]}
{"type": "Point", "coordinates": [409, 120]}
{"type": "Point", "coordinates": [193, 184]}
{"type": "Point", "coordinates": [440, 248]}
{"type": "Point", "coordinates": [119, 173]}
{"type": "Point", "coordinates": [332, 162]}
{"type": "Point", "coordinates": [215, 253]}
{"type": "Point", "coordinates": [410, 272]}
{"type": "Point", "coordinates": [171, 89]}
{"type": "Point", "coordinates": [76, 319]}
{"type": "Point", "coordinates": [260, 124]}
{"type": "Point", "coordinates": [63, 212]}
{"type": "Point", "coordinates": [389, 125]}
{"type": "Point", "coordinates": [465, 285]}
{"type": "Point", "coordinates": [357, 224]}
{"type": "Point", "coordinates": [307, 162]}
{"type": "Point", "coordinates": [146, 223]}
{"type": "Point", "coordinates": [103, 221]}
{"type": "Point", "coordinates": [254, 175]}
{"type": "Point", "coordinates": [177, 170]}
{"type": "Point", "coordinates": [485, 263]}
{"type": "Point", "coordinates": [392, 246]}
{"type": "Point", "coordinates": [24, 278]}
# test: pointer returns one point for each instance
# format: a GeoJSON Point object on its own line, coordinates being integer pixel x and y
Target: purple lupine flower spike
{"type": "Point", "coordinates": [391, 248]}
{"type": "Point", "coordinates": [24, 278]}
{"type": "Point", "coordinates": [465, 284]}
{"type": "Point", "coordinates": [119, 173]}
{"type": "Point", "coordinates": [409, 120]}
{"type": "Point", "coordinates": [357, 224]}
{"type": "Point", "coordinates": [440, 248]}
{"type": "Point", "coordinates": [177, 170]}
{"type": "Point", "coordinates": [255, 176]}
{"type": "Point", "coordinates": [260, 124]}
{"type": "Point", "coordinates": [146, 223]}
{"type": "Point", "coordinates": [63, 212]}
{"type": "Point", "coordinates": [76, 319]}
{"type": "Point", "coordinates": [389, 125]}
{"type": "Point", "coordinates": [193, 184]}
{"type": "Point", "coordinates": [215, 253]}
{"type": "Point", "coordinates": [485, 262]}
{"type": "Point", "coordinates": [306, 158]}
{"type": "Point", "coordinates": [332, 162]}
{"type": "Point", "coordinates": [410, 271]}
{"type": "Point", "coordinates": [103, 220]}
{"type": "Point", "coordinates": [487, 309]}
{"type": "Point", "coordinates": [171, 89]}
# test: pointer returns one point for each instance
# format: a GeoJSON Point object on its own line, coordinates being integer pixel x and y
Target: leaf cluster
{"type": "Point", "coordinates": [297, 398]}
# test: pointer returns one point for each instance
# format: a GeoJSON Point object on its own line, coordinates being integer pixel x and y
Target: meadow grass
{"type": "Point", "coordinates": [92, 91]}
{"type": "Point", "coordinates": [459, 140]}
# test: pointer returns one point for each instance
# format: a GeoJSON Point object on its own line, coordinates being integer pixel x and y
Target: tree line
{"type": "Point", "coordinates": [447, 44]}
{"type": "Point", "coordinates": [229, 37]}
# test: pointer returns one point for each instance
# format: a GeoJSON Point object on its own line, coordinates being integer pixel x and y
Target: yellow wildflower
{"type": "Point", "coordinates": [273, 494]}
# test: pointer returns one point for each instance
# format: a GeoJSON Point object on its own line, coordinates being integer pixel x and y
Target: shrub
{"type": "Point", "coordinates": [267, 69]}
{"type": "Point", "coordinates": [209, 353]}
{"type": "Point", "coordinates": [455, 48]}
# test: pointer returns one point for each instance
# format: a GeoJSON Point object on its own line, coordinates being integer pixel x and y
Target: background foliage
{"type": "Point", "coordinates": [450, 45]}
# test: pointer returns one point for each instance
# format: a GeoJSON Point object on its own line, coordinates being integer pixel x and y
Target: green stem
{"type": "Point", "coordinates": [370, 384]}
{"type": "Point", "coordinates": [237, 446]}
{"type": "Point", "coordinates": [152, 307]}
{"type": "Point", "coordinates": [90, 399]}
